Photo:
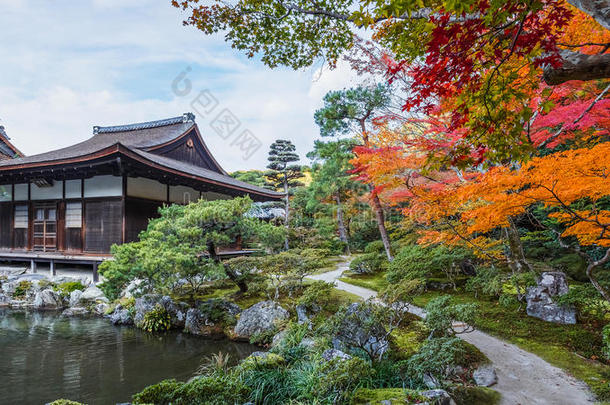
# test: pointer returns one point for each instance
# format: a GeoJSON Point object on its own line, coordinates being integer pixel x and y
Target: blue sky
{"type": "Point", "coordinates": [69, 65]}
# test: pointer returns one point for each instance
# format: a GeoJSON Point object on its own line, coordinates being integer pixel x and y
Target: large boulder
{"type": "Point", "coordinates": [358, 331]}
{"type": "Point", "coordinates": [485, 376]}
{"type": "Point", "coordinates": [146, 303]}
{"type": "Point", "coordinates": [210, 316]}
{"type": "Point", "coordinates": [133, 288]}
{"type": "Point", "coordinates": [540, 303]}
{"type": "Point", "coordinates": [75, 311]}
{"type": "Point", "coordinates": [75, 297]}
{"type": "Point", "coordinates": [100, 309]}
{"type": "Point", "coordinates": [47, 299]}
{"type": "Point", "coordinates": [438, 397]}
{"type": "Point", "coordinates": [259, 318]}
{"type": "Point", "coordinates": [332, 354]}
{"type": "Point", "coordinates": [121, 316]}
{"type": "Point", "coordinates": [93, 294]}
{"type": "Point", "coordinates": [4, 300]}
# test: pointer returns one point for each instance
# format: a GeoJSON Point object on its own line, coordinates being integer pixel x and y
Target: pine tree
{"type": "Point", "coordinates": [350, 111]}
{"type": "Point", "coordinates": [283, 174]}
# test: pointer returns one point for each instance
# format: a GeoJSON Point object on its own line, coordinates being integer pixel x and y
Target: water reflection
{"type": "Point", "coordinates": [44, 357]}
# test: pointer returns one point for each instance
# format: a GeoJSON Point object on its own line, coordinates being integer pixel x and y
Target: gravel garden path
{"type": "Point", "coordinates": [523, 377]}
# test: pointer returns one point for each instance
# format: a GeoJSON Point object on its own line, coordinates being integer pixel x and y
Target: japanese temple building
{"type": "Point", "coordinates": [71, 205]}
{"type": "Point", "coordinates": [7, 150]}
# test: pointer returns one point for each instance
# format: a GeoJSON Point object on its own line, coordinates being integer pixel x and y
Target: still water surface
{"type": "Point", "coordinates": [44, 357]}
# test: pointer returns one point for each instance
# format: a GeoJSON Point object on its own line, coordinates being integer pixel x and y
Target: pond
{"type": "Point", "coordinates": [44, 356]}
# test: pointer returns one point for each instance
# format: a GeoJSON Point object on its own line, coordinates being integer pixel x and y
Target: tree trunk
{"type": "Point", "coordinates": [286, 212]}
{"type": "Point", "coordinates": [234, 277]}
{"type": "Point", "coordinates": [598, 9]}
{"type": "Point", "coordinates": [381, 224]}
{"type": "Point", "coordinates": [578, 66]}
{"type": "Point", "coordinates": [341, 225]}
{"type": "Point", "coordinates": [591, 267]}
{"type": "Point", "coordinates": [377, 209]}
{"type": "Point", "coordinates": [516, 256]}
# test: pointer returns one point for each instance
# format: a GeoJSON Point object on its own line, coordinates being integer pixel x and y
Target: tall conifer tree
{"type": "Point", "coordinates": [283, 174]}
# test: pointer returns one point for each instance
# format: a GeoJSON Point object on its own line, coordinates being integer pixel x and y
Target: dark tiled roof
{"type": "Point", "coordinates": [203, 173]}
{"type": "Point", "coordinates": [139, 138]}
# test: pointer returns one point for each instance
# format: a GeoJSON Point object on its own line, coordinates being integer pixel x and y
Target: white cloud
{"type": "Point", "coordinates": [70, 65]}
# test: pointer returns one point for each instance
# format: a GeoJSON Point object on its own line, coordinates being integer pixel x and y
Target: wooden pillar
{"type": "Point", "coordinates": [32, 266]}
{"type": "Point", "coordinates": [95, 275]}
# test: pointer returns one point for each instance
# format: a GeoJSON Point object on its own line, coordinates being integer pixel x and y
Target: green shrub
{"type": "Point", "coordinates": [157, 320]}
{"type": "Point", "coordinates": [588, 302]}
{"type": "Point", "coordinates": [606, 340]}
{"type": "Point", "coordinates": [368, 263]}
{"type": "Point", "coordinates": [64, 289]}
{"type": "Point", "coordinates": [270, 360]}
{"type": "Point", "coordinates": [415, 261]}
{"type": "Point", "coordinates": [44, 284]}
{"type": "Point", "coordinates": [488, 281]}
{"type": "Point", "coordinates": [64, 402]}
{"type": "Point", "coordinates": [441, 314]}
{"type": "Point", "coordinates": [475, 396]}
{"type": "Point", "coordinates": [375, 246]}
{"type": "Point", "coordinates": [317, 293]}
{"type": "Point", "coordinates": [263, 338]}
{"type": "Point", "coordinates": [216, 389]}
{"type": "Point", "coordinates": [380, 395]}
{"type": "Point", "coordinates": [160, 394]}
{"type": "Point", "coordinates": [435, 357]}
{"type": "Point", "coordinates": [340, 378]}
{"type": "Point", "coordinates": [22, 289]}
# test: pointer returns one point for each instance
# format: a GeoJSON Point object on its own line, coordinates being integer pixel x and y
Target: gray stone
{"type": "Point", "coordinates": [259, 318]}
{"type": "Point", "coordinates": [331, 354]}
{"type": "Point", "coordinates": [385, 402]}
{"type": "Point", "coordinates": [75, 311]}
{"type": "Point", "coordinates": [554, 282]}
{"type": "Point", "coordinates": [146, 303]}
{"type": "Point", "coordinates": [277, 339]}
{"type": "Point", "coordinates": [18, 303]}
{"type": "Point", "coordinates": [133, 288]}
{"type": "Point", "coordinates": [46, 299]}
{"type": "Point", "coordinates": [354, 333]}
{"type": "Point", "coordinates": [302, 314]}
{"type": "Point", "coordinates": [430, 381]}
{"type": "Point", "coordinates": [93, 294]}
{"type": "Point", "coordinates": [196, 322]}
{"type": "Point", "coordinates": [120, 316]}
{"type": "Point", "coordinates": [485, 376]}
{"type": "Point", "coordinates": [438, 397]}
{"type": "Point", "coordinates": [4, 300]}
{"type": "Point", "coordinates": [100, 309]}
{"type": "Point", "coordinates": [308, 342]}
{"type": "Point", "coordinates": [75, 297]}
{"type": "Point", "coordinates": [540, 302]}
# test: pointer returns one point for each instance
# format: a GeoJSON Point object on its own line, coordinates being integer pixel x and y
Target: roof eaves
{"type": "Point", "coordinates": [186, 117]}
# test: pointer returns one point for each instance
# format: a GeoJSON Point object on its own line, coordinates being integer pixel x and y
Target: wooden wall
{"type": "Point", "coordinates": [103, 225]}
{"type": "Point", "coordinates": [137, 214]}
{"type": "Point", "coordinates": [6, 224]}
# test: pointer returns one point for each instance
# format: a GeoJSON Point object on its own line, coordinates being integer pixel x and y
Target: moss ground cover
{"type": "Point", "coordinates": [570, 347]}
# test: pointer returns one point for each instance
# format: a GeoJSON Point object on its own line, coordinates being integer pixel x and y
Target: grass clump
{"type": "Point", "coordinates": [157, 320]}
{"type": "Point", "coordinates": [22, 289]}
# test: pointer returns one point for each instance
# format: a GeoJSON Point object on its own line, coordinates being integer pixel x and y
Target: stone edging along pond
{"type": "Point", "coordinates": [151, 312]}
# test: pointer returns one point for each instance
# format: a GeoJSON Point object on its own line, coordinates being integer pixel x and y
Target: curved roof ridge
{"type": "Point", "coordinates": [184, 118]}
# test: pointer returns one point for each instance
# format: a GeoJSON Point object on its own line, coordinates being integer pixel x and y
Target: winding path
{"type": "Point", "coordinates": [523, 377]}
